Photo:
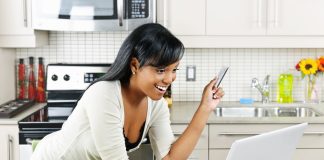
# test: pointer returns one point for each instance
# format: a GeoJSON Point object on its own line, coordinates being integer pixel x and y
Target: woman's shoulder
{"type": "Point", "coordinates": [104, 86]}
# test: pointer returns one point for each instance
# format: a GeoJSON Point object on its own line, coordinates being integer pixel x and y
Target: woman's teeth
{"type": "Point", "coordinates": [162, 88]}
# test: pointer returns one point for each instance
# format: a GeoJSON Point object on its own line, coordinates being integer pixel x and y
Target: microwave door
{"type": "Point", "coordinates": [78, 15]}
{"type": "Point", "coordinates": [86, 9]}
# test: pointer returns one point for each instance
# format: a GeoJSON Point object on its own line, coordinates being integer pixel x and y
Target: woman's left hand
{"type": "Point", "coordinates": [211, 95]}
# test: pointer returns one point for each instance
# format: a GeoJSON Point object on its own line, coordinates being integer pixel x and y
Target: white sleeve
{"type": "Point", "coordinates": [160, 132]}
{"type": "Point", "coordinates": [104, 114]}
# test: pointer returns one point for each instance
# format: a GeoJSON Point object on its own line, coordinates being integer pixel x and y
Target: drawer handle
{"type": "Point", "coordinates": [244, 134]}
{"type": "Point", "coordinates": [314, 133]}
{"type": "Point", "coordinates": [236, 134]}
{"type": "Point", "coordinates": [178, 134]}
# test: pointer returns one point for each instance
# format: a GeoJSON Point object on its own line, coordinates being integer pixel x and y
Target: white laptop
{"type": "Point", "coordinates": [275, 145]}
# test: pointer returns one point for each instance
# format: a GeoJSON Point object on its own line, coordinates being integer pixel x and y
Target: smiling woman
{"type": "Point", "coordinates": [117, 112]}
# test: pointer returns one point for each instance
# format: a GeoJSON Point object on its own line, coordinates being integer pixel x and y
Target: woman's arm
{"type": "Point", "coordinates": [182, 148]}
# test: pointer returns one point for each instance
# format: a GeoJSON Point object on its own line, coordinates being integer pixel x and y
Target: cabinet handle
{"type": "Point", "coordinates": [120, 10]}
{"type": "Point", "coordinates": [177, 134]}
{"type": "Point", "coordinates": [246, 134]}
{"type": "Point", "coordinates": [259, 16]}
{"type": "Point", "coordinates": [314, 133]}
{"type": "Point", "coordinates": [165, 13]}
{"type": "Point", "coordinates": [236, 134]}
{"type": "Point", "coordinates": [10, 147]}
{"type": "Point", "coordinates": [25, 12]}
{"type": "Point", "coordinates": [276, 13]}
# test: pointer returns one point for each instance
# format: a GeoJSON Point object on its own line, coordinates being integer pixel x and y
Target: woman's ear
{"type": "Point", "coordinates": [134, 65]}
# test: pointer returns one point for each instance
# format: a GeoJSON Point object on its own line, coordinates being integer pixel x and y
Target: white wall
{"type": "Point", "coordinates": [7, 75]}
{"type": "Point", "coordinates": [102, 47]}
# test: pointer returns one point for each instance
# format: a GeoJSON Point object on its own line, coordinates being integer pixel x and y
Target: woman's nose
{"type": "Point", "coordinates": [168, 78]}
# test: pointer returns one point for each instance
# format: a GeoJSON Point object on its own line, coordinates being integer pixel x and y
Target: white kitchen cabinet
{"type": "Point", "coordinates": [221, 137]}
{"type": "Point", "coordinates": [296, 17]}
{"type": "Point", "coordinates": [201, 149]}
{"type": "Point", "coordinates": [185, 17]}
{"type": "Point", "coordinates": [9, 142]}
{"type": "Point", "coordinates": [15, 28]}
{"type": "Point", "coordinates": [245, 23]}
{"type": "Point", "coordinates": [265, 17]}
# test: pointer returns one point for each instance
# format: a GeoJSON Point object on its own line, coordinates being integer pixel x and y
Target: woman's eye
{"type": "Point", "coordinates": [175, 70]}
{"type": "Point", "coordinates": [160, 70]}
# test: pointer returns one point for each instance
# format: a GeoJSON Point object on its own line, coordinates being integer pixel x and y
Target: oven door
{"type": "Point", "coordinates": [92, 15]}
{"type": "Point", "coordinates": [28, 139]}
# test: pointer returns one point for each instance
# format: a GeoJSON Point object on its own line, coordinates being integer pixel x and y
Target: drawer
{"type": "Point", "coordinates": [203, 140]}
{"type": "Point", "coordinates": [300, 154]}
{"type": "Point", "coordinates": [199, 155]}
{"type": "Point", "coordinates": [218, 154]}
{"type": "Point", "coordinates": [309, 154]}
{"type": "Point", "coordinates": [223, 135]}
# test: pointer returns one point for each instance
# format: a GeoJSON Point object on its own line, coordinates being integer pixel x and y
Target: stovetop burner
{"type": "Point", "coordinates": [12, 108]}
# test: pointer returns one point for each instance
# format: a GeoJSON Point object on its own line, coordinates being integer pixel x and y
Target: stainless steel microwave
{"type": "Point", "coordinates": [92, 15]}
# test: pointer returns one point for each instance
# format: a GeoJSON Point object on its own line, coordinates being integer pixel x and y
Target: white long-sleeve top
{"type": "Point", "coordinates": [94, 130]}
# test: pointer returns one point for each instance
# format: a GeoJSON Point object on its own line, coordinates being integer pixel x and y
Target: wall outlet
{"type": "Point", "coordinates": [191, 73]}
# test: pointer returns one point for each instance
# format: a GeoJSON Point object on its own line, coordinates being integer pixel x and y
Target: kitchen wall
{"type": "Point", "coordinates": [102, 47]}
{"type": "Point", "coordinates": [7, 70]}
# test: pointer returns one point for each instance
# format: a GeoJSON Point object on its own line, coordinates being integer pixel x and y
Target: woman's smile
{"type": "Point", "coordinates": [161, 89]}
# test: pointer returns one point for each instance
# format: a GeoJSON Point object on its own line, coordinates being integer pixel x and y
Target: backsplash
{"type": "Point", "coordinates": [245, 64]}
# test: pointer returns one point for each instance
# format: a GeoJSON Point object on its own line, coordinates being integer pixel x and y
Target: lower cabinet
{"type": "Point", "coordinates": [221, 137]}
{"type": "Point", "coordinates": [201, 150]}
{"type": "Point", "coordinates": [9, 142]}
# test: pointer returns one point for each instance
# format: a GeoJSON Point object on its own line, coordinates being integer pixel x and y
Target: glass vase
{"type": "Point", "coordinates": [312, 90]}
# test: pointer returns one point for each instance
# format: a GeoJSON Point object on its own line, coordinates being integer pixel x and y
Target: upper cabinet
{"type": "Point", "coordinates": [15, 28]}
{"type": "Point", "coordinates": [296, 17]}
{"type": "Point", "coordinates": [245, 23]}
{"type": "Point", "coordinates": [185, 17]}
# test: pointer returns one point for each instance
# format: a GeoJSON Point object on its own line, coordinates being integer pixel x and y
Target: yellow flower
{"type": "Point", "coordinates": [308, 66]}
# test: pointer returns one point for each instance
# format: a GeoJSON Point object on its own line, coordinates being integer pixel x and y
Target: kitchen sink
{"type": "Point", "coordinates": [266, 112]}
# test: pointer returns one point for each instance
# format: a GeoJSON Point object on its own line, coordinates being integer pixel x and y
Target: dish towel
{"type": "Point", "coordinates": [34, 144]}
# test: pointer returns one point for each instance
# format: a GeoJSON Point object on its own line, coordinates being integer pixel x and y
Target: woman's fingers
{"type": "Point", "coordinates": [218, 93]}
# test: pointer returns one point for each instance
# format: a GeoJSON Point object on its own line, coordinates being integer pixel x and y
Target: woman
{"type": "Point", "coordinates": [116, 112]}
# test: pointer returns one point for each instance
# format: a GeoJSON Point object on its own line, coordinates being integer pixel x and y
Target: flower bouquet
{"type": "Point", "coordinates": [311, 69]}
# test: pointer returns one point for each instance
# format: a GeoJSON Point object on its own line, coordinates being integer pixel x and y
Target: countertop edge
{"type": "Point", "coordinates": [22, 115]}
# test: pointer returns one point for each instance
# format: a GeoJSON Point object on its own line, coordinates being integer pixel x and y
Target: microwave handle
{"type": "Point", "coordinates": [120, 11]}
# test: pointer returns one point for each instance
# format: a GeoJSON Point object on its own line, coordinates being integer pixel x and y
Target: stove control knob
{"type": "Point", "coordinates": [66, 77]}
{"type": "Point", "coordinates": [54, 77]}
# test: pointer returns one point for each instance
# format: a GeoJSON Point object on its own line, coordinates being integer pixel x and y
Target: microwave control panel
{"type": "Point", "coordinates": [138, 9]}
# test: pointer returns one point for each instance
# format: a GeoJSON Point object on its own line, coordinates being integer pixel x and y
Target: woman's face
{"type": "Point", "coordinates": [154, 81]}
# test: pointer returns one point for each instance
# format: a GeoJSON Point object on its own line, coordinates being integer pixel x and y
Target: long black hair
{"type": "Point", "coordinates": [151, 44]}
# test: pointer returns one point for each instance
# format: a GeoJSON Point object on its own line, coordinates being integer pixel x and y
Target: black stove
{"type": "Point", "coordinates": [65, 84]}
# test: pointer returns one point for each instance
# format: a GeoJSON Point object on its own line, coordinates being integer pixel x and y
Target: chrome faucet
{"type": "Point", "coordinates": [264, 89]}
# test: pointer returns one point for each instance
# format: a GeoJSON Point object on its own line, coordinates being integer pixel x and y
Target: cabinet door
{"type": "Point", "coordinates": [15, 28]}
{"type": "Point", "coordinates": [199, 155]}
{"type": "Point", "coordinates": [185, 17]}
{"type": "Point", "coordinates": [236, 17]}
{"type": "Point", "coordinates": [203, 140]}
{"type": "Point", "coordinates": [9, 142]}
{"type": "Point", "coordinates": [296, 17]}
{"type": "Point", "coordinates": [13, 18]}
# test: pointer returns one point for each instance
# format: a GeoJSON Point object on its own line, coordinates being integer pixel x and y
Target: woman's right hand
{"type": "Point", "coordinates": [211, 96]}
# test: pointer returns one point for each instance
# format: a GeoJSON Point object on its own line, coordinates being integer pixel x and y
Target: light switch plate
{"type": "Point", "coordinates": [191, 73]}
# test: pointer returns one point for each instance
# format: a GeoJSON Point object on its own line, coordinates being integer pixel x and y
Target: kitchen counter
{"type": "Point", "coordinates": [182, 113]}
{"type": "Point", "coordinates": [20, 116]}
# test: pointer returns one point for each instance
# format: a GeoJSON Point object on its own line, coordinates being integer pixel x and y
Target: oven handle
{"type": "Point", "coordinates": [61, 101]}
